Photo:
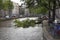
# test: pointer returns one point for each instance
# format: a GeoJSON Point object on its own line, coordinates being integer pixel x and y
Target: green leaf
{"type": "Point", "coordinates": [25, 23]}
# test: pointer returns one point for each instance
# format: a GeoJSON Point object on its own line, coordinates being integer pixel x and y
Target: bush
{"type": "Point", "coordinates": [25, 24]}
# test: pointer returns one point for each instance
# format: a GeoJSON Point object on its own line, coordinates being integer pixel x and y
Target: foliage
{"type": "Point", "coordinates": [1, 4]}
{"type": "Point", "coordinates": [35, 7]}
{"type": "Point", "coordinates": [8, 5]}
{"type": "Point", "coordinates": [5, 5]}
{"type": "Point", "coordinates": [38, 10]}
{"type": "Point", "coordinates": [42, 5]}
{"type": "Point", "coordinates": [25, 23]}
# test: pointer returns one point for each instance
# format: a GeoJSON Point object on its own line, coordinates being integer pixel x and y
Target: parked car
{"type": "Point", "coordinates": [21, 15]}
{"type": "Point", "coordinates": [7, 17]}
{"type": "Point", "coordinates": [45, 17]}
{"type": "Point", "coordinates": [39, 20]}
{"type": "Point", "coordinates": [14, 16]}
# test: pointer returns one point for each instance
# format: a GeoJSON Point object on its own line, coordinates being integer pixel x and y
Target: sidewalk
{"type": "Point", "coordinates": [47, 35]}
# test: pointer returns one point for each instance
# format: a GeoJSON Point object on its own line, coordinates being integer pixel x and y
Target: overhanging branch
{"type": "Point", "coordinates": [48, 8]}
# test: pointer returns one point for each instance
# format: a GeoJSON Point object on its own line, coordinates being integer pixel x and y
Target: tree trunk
{"type": "Point", "coordinates": [49, 14]}
{"type": "Point", "coordinates": [0, 13]}
{"type": "Point", "coordinates": [54, 11]}
{"type": "Point", "coordinates": [10, 13]}
{"type": "Point", "coordinates": [53, 17]}
{"type": "Point", "coordinates": [49, 10]}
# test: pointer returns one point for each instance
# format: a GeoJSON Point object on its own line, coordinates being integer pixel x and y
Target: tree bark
{"type": "Point", "coordinates": [49, 13]}
{"type": "Point", "coordinates": [54, 11]}
{"type": "Point", "coordinates": [10, 12]}
{"type": "Point", "coordinates": [0, 13]}
{"type": "Point", "coordinates": [49, 10]}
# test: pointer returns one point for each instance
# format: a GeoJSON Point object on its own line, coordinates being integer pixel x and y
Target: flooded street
{"type": "Point", "coordinates": [12, 33]}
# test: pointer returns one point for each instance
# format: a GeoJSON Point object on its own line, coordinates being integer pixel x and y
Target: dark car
{"type": "Point", "coordinates": [39, 20]}
{"type": "Point", "coordinates": [45, 17]}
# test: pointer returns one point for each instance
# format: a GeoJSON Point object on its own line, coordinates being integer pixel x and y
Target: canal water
{"type": "Point", "coordinates": [9, 32]}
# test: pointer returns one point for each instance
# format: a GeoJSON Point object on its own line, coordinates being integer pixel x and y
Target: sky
{"type": "Point", "coordinates": [17, 1]}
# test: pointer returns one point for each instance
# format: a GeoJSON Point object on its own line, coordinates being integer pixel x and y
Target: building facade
{"type": "Point", "coordinates": [15, 10]}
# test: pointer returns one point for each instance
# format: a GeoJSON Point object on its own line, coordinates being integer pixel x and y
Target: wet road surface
{"type": "Point", "coordinates": [12, 33]}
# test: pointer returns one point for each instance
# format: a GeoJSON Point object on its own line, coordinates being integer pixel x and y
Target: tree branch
{"type": "Point", "coordinates": [48, 8]}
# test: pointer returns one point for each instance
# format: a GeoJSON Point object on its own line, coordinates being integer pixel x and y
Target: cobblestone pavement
{"type": "Point", "coordinates": [12, 33]}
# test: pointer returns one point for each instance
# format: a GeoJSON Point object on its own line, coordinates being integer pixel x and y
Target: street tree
{"type": "Point", "coordinates": [5, 7]}
{"type": "Point", "coordinates": [1, 6]}
{"type": "Point", "coordinates": [44, 6]}
{"type": "Point", "coordinates": [34, 7]}
{"type": "Point", "coordinates": [8, 6]}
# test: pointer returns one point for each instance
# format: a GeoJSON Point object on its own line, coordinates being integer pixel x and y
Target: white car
{"type": "Point", "coordinates": [21, 15]}
{"type": "Point", "coordinates": [7, 16]}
